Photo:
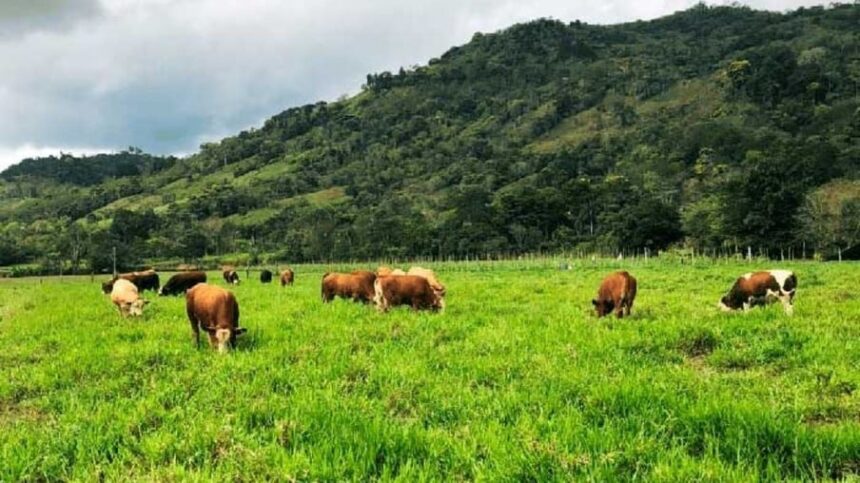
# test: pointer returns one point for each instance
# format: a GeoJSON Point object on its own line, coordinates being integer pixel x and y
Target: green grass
{"type": "Point", "coordinates": [517, 380]}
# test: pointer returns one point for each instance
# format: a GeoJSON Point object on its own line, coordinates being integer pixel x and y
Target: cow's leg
{"type": "Point", "coordinates": [628, 304]}
{"type": "Point", "coordinates": [195, 332]}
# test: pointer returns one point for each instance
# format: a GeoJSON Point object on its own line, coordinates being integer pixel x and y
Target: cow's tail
{"type": "Point", "coordinates": [322, 287]}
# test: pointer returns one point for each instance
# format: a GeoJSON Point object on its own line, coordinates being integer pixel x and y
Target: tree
{"type": "Point", "coordinates": [830, 217]}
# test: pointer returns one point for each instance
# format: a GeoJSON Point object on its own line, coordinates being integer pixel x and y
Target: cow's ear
{"type": "Point", "coordinates": [240, 331]}
{"type": "Point", "coordinates": [594, 302]}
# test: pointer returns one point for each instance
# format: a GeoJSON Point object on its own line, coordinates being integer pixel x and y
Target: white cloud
{"type": "Point", "coordinates": [161, 74]}
{"type": "Point", "coordinates": [10, 156]}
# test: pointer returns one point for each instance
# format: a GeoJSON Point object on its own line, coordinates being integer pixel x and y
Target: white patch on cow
{"type": "Point", "coordinates": [787, 306]}
{"type": "Point", "coordinates": [747, 276]}
{"type": "Point", "coordinates": [781, 276]}
{"type": "Point", "coordinates": [222, 336]}
{"type": "Point", "coordinates": [724, 307]}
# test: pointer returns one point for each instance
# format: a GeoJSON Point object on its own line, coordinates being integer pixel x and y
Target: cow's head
{"type": "Point", "coordinates": [602, 307]}
{"type": "Point", "coordinates": [135, 308]}
{"type": "Point", "coordinates": [225, 339]}
{"type": "Point", "coordinates": [724, 304]}
{"type": "Point", "coordinates": [107, 287]}
{"type": "Point", "coordinates": [439, 300]}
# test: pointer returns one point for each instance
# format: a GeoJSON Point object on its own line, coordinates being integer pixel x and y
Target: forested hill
{"type": "Point", "coordinates": [714, 127]}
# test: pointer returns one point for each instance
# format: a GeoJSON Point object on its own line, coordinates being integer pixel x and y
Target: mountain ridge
{"type": "Point", "coordinates": [543, 136]}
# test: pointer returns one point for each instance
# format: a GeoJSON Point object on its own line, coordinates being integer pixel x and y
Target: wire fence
{"type": "Point", "coordinates": [563, 260]}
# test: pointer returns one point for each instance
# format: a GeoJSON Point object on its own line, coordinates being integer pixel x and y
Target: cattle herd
{"type": "Point", "coordinates": [216, 311]}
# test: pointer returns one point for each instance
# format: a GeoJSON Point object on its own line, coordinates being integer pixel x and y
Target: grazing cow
{"type": "Point", "coordinates": [231, 276]}
{"type": "Point", "coordinates": [265, 276]}
{"type": "Point", "coordinates": [126, 297]}
{"type": "Point", "coordinates": [181, 282]}
{"type": "Point", "coordinates": [761, 288]}
{"type": "Point", "coordinates": [287, 277]}
{"type": "Point", "coordinates": [616, 292]}
{"type": "Point", "coordinates": [430, 276]}
{"type": "Point", "coordinates": [146, 280]}
{"type": "Point", "coordinates": [216, 311]}
{"type": "Point", "coordinates": [409, 290]}
{"type": "Point", "coordinates": [357, 286]}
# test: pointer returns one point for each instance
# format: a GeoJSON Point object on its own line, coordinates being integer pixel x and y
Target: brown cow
{"type": "Point", "coordinates": [287, 277]}
{"type": "Point", "coordinates": [430, 276]}
{"type": "Point", "coordinates": [409, 290]}
{"type": "Point", "coordinates": [126, 297]}
{"type": "Point", "coordinates": [357, 286]}
{"type": "Point", "coordinates": [231, 276]}
{"type": "Point", "coordinates": [216, 311]}
{"type": "Point", "coordinates": [761, 288]}
{"type": "Point", "coordinates": [145, 280]}
{"type": "Point", "coordinates": [616, 292]}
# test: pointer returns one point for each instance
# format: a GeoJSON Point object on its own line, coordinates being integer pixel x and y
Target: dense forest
{"type": "Point", "coordinates": [715, 128]}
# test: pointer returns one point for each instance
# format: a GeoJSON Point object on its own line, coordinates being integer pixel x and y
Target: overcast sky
{"type": "Point", "coordinates": [165, 76]}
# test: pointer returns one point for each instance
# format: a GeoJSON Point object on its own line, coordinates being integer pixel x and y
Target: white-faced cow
{"type": "Point", "coordinates": [231, 276]}
{"type": "Point", "coordinates": [761, 288]}
{"type": "Point", "coordinates": [126, 297]}
{"type": "Point", "coordinates": [215, 311]}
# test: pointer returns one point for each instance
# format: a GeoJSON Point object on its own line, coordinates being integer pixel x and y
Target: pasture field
{"type": "Point", "coordinates": [516, 380]}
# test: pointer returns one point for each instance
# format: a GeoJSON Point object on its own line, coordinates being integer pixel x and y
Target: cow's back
{"type": "Point", "coordinates": [213, 307]}
{"type": "Point", "coordinates": [183, 281]}
{"type": "Point", "coordinates": [124, 292]}
{"type": "Point", "coordinates": [617, 285]}
{"type": "Point", "coordinates": [430, 276]}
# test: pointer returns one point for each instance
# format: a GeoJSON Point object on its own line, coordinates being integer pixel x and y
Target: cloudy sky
{"type": "Point", "coordinates": [165, 75]}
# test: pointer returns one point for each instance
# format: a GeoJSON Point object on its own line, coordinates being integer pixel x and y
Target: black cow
{"type": "Point", "coordinates": [265, 276]}
{"type": "Point", "coordinates": [181, 282]}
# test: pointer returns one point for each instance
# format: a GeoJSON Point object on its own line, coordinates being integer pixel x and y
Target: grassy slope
{"type": "Point", "coordinates": [516, 380]}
